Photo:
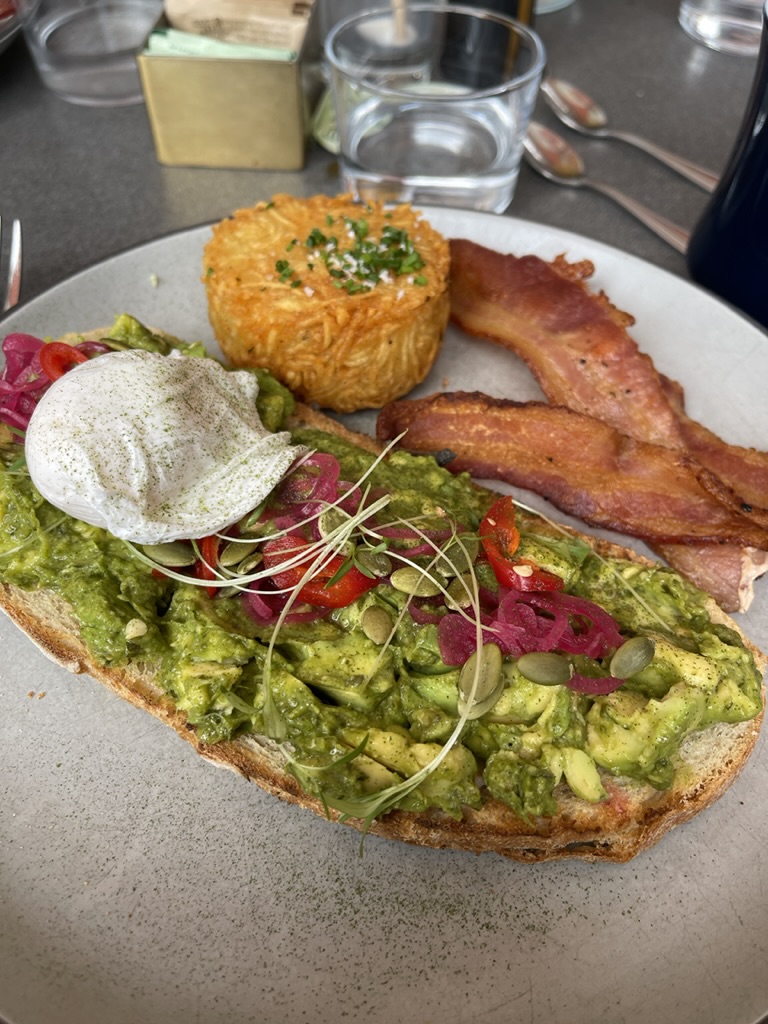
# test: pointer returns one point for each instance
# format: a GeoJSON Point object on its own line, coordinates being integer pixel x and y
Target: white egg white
{"type": "Point", "coordinates": [154, 448]}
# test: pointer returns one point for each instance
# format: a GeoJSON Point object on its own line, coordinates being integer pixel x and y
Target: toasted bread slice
{"type": "Point", "coordinates": [633, 818]}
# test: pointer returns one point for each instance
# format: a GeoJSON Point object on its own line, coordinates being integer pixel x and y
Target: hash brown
{"type": "Point", "coordinates": [346, 304]}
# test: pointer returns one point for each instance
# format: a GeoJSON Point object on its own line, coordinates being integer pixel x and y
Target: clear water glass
{"type": "Point", "coordinates": [732, 26]}
{"type": "Point", "coordinates": [432, 106]}
{"type": "Point", "coordinates": [85, 52]}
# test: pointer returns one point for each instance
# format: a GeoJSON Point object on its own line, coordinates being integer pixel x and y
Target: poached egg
{"type": "Point", "coordinates": [154, 448]}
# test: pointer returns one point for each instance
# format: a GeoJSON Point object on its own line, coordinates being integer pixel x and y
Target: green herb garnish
{"type": "Point", "coordinates": [366, 261]}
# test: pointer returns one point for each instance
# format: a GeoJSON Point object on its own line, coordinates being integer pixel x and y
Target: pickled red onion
{"type": "Point", "coordinates": [527, 621]}
{"type": "Point", "coordinates": [23, 382]}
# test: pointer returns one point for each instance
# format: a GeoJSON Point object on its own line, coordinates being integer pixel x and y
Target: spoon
{"type": "Point", "coordinates": [580, 112]}
{"type": "Point", "coordinates": [550, 155]}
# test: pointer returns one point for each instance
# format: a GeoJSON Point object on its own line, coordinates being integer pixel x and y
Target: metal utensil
{"type": "Point", "coordinates": [579, 111]}
{"type": "Point", "coordinates": [13, 277]}
{"type": "Point", "coordinates": [550, 155]}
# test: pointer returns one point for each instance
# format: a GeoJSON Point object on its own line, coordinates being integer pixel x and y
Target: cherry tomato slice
{"type": "Point", "coordinates": [318, 590]}
{"type": "Point", "coordinates": [323, 594]}
{"type": "Point", "coordinates": [500, 539]}
{"type": "Point", "coordinates": [499, 534]}
{"type": "Point", "coordinates": [56, 358]}
{"type": "Point", "coordinates": [278, 551]}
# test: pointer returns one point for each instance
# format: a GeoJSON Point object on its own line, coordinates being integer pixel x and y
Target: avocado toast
{"type": "Point", "coordinates": [326, 707]}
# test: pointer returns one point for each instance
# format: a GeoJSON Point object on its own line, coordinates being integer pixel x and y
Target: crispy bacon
{"type": "Point", "coordinates": [575, 343]}
{"type": "Point", "coordinates": [581, 464]}
{"type": "Point", "coordinates": [726, 571]}
{"type": "Point", "coordinates": [743, 469]}
{"type": "Point", "coordinates": [577, 346]}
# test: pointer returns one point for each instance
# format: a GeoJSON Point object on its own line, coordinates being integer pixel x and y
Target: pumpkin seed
{"type": "Point", "coordinates": [458, 556]}
{"type": "Point", "coordinates": [235, 551]}
{"type": "Point", "coordinates": [174, 554]}
{"type": "Point", "coordinates": [459, 592]}
{"type": "Point", "coordinates": [250, 522]}
{"type": "Point", "coordinates": [632, 657]}
{"type": "Point", "coordinates": [410, 580]}
{"type": "Point", "coordinates": [331, 520]}
{"type": "Point", "coordinates": [487, 665]}
{"type": "Point", "coordinates": [135, 628]}
{"type": "Point", "coordinates": [377, 563]}
{"type": "Point", "coordinates": [545, 668]}
{"type": "Point", "coordinates": [376, 623]}
{"type": "Point", "coordinates": [249, 563]}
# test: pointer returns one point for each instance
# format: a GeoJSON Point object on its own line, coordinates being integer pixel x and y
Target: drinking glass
{"type": "Point", "coordinates": [85, 50]}
{"type": "Point", "coordinates": [432, 103]}
{"type": "Point", "coordinates": [732, 26]}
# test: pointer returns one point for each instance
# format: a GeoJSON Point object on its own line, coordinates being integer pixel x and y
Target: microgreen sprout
{"type": "Point", "coordinates": [350, 534]}
{"type": "Point", "coordinates": [19, 463]}
{"type": "Point", "coordinates": [370, 807]}
{"type": "Point", "coordinates": [18, 466]}
{"type": "Point", "coordinates": [318, 769]}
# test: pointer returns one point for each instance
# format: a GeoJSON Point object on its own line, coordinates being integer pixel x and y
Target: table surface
{"type": "Point", "coordinates": [86, 184]}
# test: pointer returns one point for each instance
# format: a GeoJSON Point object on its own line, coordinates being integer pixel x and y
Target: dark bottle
{"type": "Point", "coordinates": [728, 251]}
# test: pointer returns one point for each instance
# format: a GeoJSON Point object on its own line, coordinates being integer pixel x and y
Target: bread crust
{"type": "Point", "coordinates": [633, 818]}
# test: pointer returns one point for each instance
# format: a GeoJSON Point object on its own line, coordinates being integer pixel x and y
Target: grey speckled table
{"type": "Point", "coordinates": [140, 886]}
{"type": "Point", "coordinates": [86, 182]}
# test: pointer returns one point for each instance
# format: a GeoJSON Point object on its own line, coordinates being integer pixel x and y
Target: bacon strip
{"type": "Point", "coordinates": [581, 464]}
{"type": "Point", "coordinates": [576, 344]}
{"type": "Point", "coordinates": [743, 469]}
{"type": "Point", "coordinates": [725, 571]}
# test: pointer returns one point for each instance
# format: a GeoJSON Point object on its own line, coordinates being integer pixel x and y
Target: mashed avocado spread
{"type": "Point", "coordinates": [362, 694]}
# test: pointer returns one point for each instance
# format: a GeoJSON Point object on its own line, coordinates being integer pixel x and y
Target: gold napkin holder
{"type": "Point", "coordinates": [231, 113]}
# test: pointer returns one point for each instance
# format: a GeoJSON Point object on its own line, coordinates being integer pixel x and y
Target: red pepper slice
{"type": "Point", "coordinates": [205, 567]}
{"type": "Point", "coordinates": [500, 539]}
{"type": "Point", "coordinates": [318, 590]}
{"type": "Point", "coordinates": [278, 551]}
{"type": "Point", "coordinates": [323, 594]}
{"type": "Point", "coordinates": [56, 358]}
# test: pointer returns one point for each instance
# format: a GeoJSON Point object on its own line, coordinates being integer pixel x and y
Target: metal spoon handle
{"type": "Point", "coordinates": [672, 233]}
{"type": "Point", "coordinates": [693, 172]}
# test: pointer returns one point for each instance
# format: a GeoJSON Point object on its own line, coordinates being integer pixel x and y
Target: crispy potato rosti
{"type": "Point", "coordinates": [345, 303]}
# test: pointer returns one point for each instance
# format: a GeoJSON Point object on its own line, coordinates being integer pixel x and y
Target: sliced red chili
{"type": "Point", "coordinates": [205, 567]}
{"type": "Point", "coordinates": [56, 358]}
{"type": "Point", "coordinates": [280, 550]}
{"type": "Point", "coordinates": [519, 578]}
{"type": "Point", "coordinates": [352, 584]}
{"type": "Point", "coordinates": [321, 589]}
{"type": "Point", "coordinates": [500, 539]}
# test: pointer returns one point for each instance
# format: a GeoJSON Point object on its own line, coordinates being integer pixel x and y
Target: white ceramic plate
{"type": "Point", "coordinates": [138, 885]}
